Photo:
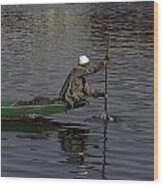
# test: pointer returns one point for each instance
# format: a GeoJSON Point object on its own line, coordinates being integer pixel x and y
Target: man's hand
{"type": "Point", "coordinates": [106, 60]}
{"type": "Point", "coordinates": [106, 95]}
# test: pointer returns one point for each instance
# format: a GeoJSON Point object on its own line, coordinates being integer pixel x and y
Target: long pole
{"type": "Point", "coordinates": [106, 79]}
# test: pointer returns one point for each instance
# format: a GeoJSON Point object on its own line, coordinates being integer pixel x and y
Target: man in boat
{"type": "Point", "coordinates": [76, 89]}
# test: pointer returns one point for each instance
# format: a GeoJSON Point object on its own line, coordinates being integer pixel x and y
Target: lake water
{"type": "Point", "coordinates": [40, 45]}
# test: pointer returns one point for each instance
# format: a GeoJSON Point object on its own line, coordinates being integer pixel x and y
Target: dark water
{"type": "Point", "coordinates": [40, 45]}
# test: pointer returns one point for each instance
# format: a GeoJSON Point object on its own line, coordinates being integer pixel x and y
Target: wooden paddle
{"type": "Point", "coordinates": [106, 79]}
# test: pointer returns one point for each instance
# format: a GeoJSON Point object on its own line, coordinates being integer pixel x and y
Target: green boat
{"type": "Point", "coordinates": [11, 111]}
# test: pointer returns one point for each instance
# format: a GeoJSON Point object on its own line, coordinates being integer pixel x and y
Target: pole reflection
{"type": "Point", "coordinates": [103, 171]}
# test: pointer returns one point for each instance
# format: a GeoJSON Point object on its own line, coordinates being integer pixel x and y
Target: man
{"type": "Point", "coordinates": [76, 89]}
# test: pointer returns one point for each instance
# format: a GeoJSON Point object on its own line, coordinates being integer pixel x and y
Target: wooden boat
{"type": "Point", "coordinates": [10, 111]}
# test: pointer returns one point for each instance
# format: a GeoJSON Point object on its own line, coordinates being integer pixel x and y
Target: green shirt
{"type": "Point", "coordinates": [74, 89]}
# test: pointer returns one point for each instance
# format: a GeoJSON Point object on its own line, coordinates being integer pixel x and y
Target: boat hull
{"type": "Point", "coordinates": [24, 112]}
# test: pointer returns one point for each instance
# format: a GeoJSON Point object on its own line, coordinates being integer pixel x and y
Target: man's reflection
{"type": "Point", "coordinates": [73, 141]}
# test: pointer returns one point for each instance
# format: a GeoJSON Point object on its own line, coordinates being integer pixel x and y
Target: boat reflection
{"type": "Point", "coordinates": [73, 139]}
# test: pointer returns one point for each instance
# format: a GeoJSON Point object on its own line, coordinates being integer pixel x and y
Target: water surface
{"type": "Point", "coordinates": [40, 45]}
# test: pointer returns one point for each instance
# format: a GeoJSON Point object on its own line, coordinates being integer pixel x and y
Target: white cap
{"type": "Point", "coordinates": [83, 60]}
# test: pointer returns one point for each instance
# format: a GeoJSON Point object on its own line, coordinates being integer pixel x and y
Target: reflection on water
{"type": "Point", "coordinates": [72, 139]}
{"type": "Point", "coordinates": [104, 175]}
{"type": "Point", "coordinates": [75, 145]}
{"type": "Point", "coordinates": [40, 45]}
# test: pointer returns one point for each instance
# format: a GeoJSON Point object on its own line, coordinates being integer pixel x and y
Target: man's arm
{"type": "Point", "coordinates": [83, 71]}
{"type": "Point", "coordinates": [91, 68]}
